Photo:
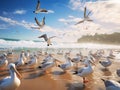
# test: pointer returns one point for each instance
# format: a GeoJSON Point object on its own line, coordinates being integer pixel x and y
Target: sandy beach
{"type": "Point", "coordinates": [55, 79]}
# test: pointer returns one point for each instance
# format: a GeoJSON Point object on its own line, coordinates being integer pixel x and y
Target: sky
{"type": "Point", "coordinates": [17, 18]}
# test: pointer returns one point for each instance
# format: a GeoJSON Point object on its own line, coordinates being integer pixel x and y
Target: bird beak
{"type": "Point", "coordinates": [93, 63]}
{"type": "Point", "coordinates": [18, 74]}
{"type": "Point", "coordinates": [103, 80]}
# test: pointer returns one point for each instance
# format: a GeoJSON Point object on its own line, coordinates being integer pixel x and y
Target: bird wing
{"type": "Point", "coordinates": [38, 5]}
{"type": "Point", "coordinates": [37, 22]}
{"type": "Point", "coordinates": [81, 70]}
{"type": "Point", "coordinates": [44, 10]}
{"type": "Point", "coordinates": [90, 20]}
{"type": "Point", "coordinates": [44, 36]}
{"type": "Point", "coordinates": [80, 22]}
{"type": "Point", "coordinates": [3, 80]}
{"type": "Point", "coordinates": [52, 37]}
{"type": "Point", "coordinates": [43, 21]}
{"type": "Point", "coordinates": [84, 12]}
{"type": "Point", "coordinates": [89, 13]}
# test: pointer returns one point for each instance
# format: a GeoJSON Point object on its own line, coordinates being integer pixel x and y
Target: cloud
{"type": "Point", "coordinates": [69, 20]}
{"type": "Point", "coordinates": [20, 12]}
{"type": "Point", "coordinates": [105, 15]}
{"type": "Point", "coordinates": [50, 11]}
{"type": "Point", "coordinates": [12, 22]}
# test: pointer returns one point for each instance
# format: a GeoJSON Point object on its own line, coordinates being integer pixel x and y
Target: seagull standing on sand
{"type": "Point", "coordinates": [85, 71]}
{"type": "Point", "coordinates": [11, 82]}
{"type": "Point", "coordinates": [33, 61]}
{"type": "Point", "coordinates": [77, 59]}
{"type": "Point", "coordinates": [20, 61]}
{"type": "Point", "coordinates": [86, 17]}
{"type": "Point", "coordinates": [38, 9]}
{"type": "Point", "coordinates": [48, 40]}
{"type": "Point", "coordinates": [111, 84]}
{"type": "Point", "coordinates": [66, 65]}
{"type": "Point", "coordinates": [106, 63]}
{"type": "Point", "coordinates": [4, 62]}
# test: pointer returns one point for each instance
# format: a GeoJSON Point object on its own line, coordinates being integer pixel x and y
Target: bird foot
{"type": "Point", "coordinates": [85, 81]}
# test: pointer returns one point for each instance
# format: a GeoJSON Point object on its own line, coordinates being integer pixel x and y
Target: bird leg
{"type": "Point", "coordinates": [84, 80]}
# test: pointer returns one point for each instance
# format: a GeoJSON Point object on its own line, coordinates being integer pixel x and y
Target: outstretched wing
{"type": "Point", "coordinates": [37, 22]}
{"type": "Point", "coordinates": [84, 12]}
{"type": "Point", "coordinates": [44, 36]}
{"type": "Point", "coordinates": [89, 13]}
{"type": "Point", "coordinates": [52, 37]}
{"type": "Point", "coordinates": [38, 5]}
{"type": "Point", "coordinates": [79, 22]}
{"type": "Point", "coordinates": [43, 21]}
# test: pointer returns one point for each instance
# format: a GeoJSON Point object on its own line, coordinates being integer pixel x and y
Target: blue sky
{"type": "Point", "coordinates": [17, 16]}
{"type": "Point", "coordinates": [9, 8]}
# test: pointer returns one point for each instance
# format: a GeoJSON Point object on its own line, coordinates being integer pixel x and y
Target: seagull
{"type": "Point", "coordinates": [118, 72]}
{"type": "Point", "coordinates": [41, 25]}
{"type": "Point", "coordinates": [86, 17]}
{"type": "Point", "coordinates": [48, 40]}
{"type": "Point", "coordinates": [111, 84]}
{"type": "Point", "coordinates": [11, 82]}
{"type": "Point", "coordinates": [4, 62]}
{"type": "Point", "coordinates": [33, 61]}
{"type": "Point", "coordinates": [77, 59]}
{"type": "Point", "coordinates": [38, 9]}
{"type": "Point", "coordinates": [106, 63]}
{"type": "Point", "coordinates": [85, 71]}
{"type": "Point", "coordinates": [66, 65]}
{"type": "Point", "coordinates": [49, 62]}
{"type": "Point", "coordinates": [20, 61]}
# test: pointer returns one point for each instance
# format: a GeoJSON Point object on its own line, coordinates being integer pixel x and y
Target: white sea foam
{"type": "Point", "coordinates": [32, 44]}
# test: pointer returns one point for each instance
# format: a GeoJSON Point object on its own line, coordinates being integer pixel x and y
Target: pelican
{"type": "Point", "coordinates": [48, 40]}
{"type": "Point", "coordinates": [86, 17]}
{"type": "Point", "coordinates": [4, 62]}
{"type": "Point", "coordinates": [38, 9]}
{"type": "Point", "coordinates": [85, 71]}
{"type": "Point", "coordinates": [111, 84]}
{"type": "Point", "coordinates": [106, 63]}
{"type": "Point", "coordinates": [11, 82]}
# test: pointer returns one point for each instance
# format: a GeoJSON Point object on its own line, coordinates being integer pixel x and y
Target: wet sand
{"type": "Point", "coordinates": [55, 79]}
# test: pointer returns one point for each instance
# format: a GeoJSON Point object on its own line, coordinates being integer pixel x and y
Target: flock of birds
{"type": "Point", "coordinates": [31, 60]}
{"type": "Point", "coordinates": [42, 24]}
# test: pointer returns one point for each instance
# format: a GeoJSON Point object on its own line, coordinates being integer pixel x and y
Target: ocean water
{"type": "Point", "coordinates": [22, 44]}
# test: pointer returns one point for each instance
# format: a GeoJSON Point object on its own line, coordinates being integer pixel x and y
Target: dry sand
{"type": "Point", "coordinates": [56, 80]}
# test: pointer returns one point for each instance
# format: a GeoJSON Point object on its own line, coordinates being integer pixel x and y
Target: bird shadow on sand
{"type": "Point", "coordinates": [34, 75]}
{"type": "Point", "coordinates": [75, 86]}
{"type": "Point", "coordinates": [106, 71]}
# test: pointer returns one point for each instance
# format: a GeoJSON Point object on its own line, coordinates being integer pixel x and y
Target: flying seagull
{"type": "Point", "coordinates": [38, 9]}
{"type": "Point", "coordinates": [86, 17]}
{"type": "Point", "coordinates": [41, 25]}
{"type": "Point", "coordinates": [48, 40]}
